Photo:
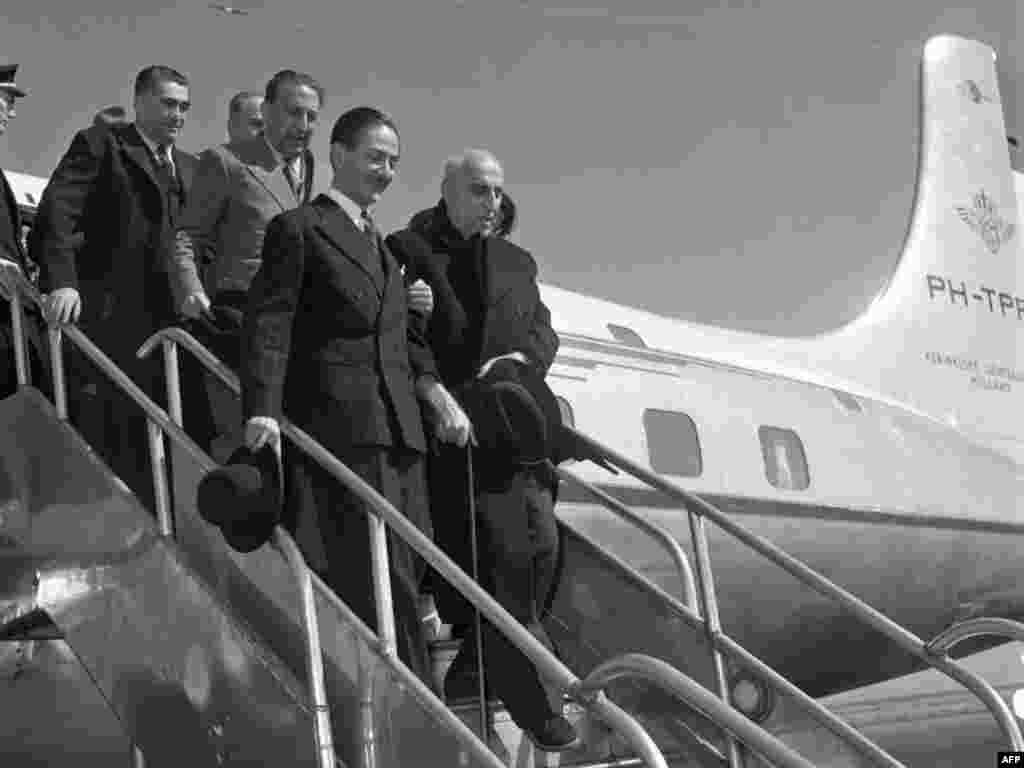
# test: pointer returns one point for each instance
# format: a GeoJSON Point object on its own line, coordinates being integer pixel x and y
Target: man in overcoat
{"type": "Point", "coordinates": [101, 238]}
{"type": "Point", "coordinates": [487, 308]}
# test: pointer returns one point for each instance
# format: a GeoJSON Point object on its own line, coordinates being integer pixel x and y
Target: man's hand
{"type": "Point", "coordinates": [260, 430]}
{"type": "Point", "coordinates": [451, 424]}
{"type": "Point", "coordinates": [510, 356]}
{"type": "Point", "coordinates": [63, 306]}
{"type": "Point", "coordinates": [194, 305]}
{"type": "Point", "coordinates": [421, 297]}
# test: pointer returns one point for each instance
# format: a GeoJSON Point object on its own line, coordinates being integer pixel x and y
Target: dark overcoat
{"type": "Point", "coordinates": [104, 228]}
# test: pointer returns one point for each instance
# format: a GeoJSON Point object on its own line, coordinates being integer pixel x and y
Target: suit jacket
{"type": "Point", "coordinates": [326, 338]}
{"type": "Point", "coordinates": [515, 318]}
{"type": "Point", "coordinates": [103, 228]}
{"type": "Point", "coordinates": [238, 189]}
{"type": "Point", "coordinates": [11, 248]}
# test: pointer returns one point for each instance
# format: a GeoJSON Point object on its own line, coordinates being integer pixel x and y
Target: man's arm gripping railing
{"type": "Point", "coordinates": [700, 509]}
{"type": "Point", "coordinates": [546, 663]}
{"type": "Point", "coordinates": [14, 286]}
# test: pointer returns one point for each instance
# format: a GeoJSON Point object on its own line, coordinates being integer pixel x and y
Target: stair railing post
{"type": "Point", "coordinates": [21, 366]}
{"type": "Point", "coordinates": [382, 584]}
{"type": "Point", "coordinates": [172, 380]}
{"type": "Point", "coordinates": [314, 652]}
{"type": "Point", "coordinates": [60, 390]}
{"type": "Point", "coordinates": [158, 463]}
{"type": "Point", "coordinates": [712, 623]}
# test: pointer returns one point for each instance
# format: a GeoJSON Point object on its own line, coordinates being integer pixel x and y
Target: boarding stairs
{"type": "Point", "coordinates": [209, 657]}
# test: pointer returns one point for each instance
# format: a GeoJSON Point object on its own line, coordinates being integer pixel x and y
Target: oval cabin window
{"type": "Point", "coordinates": [785, 463]}
{"type": "Point", "coordinates": [672, 444]}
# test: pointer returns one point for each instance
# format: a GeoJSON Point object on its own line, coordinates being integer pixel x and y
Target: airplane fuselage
{"type": "Point", "coordinates": [907, 514]}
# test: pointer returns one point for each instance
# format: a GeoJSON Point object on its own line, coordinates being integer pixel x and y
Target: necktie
{"type": "Point", "coordinates": [163, 161]}
{"type": "Point", "coordinates": [293, 180]}
{"type": "Point", "coordinates": [370, 230]}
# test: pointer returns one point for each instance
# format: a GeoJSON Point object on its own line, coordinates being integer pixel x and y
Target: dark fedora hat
{"type": "Point", "coordinates": [243, 498]}
{"type": "Point", "coordinates": [513, 412]}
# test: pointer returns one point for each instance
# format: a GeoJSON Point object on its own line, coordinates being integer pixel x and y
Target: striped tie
{"type": "Point", "coordinates": [293, 180]}
{"type": "Point", "coordinates": [372, 234]}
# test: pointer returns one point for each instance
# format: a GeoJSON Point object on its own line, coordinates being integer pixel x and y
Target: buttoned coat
{"type": "Point", "coordinates": [103, 228]}
{"type": "Point", "coordinates": [326, 338]}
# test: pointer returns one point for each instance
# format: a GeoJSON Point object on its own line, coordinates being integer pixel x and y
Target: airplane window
{"type": "Point", "coordinates": [626, 335]}
{"type": "Point", "coordinates": [672, 443]}
{"type": "Point", "coordinates": [565, 409]}
{"type": "Point", "coordinates": [785, 463]}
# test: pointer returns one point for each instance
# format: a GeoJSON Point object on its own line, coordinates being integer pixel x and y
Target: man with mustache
{"type": "Point", "coordinates": [328, 342]}
{"type": "Point", "coordinates": [239, 187]}
{"type": "Point", "coordinates": [101, 237]}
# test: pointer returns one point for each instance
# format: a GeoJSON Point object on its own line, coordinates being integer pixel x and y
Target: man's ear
{"type": "Point", "coordinates": [338, 153]}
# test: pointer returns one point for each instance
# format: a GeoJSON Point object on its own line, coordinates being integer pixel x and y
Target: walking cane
{"type": "Point", "coordinates": [485, 715]}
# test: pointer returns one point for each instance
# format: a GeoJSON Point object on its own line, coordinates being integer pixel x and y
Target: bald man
{"type": "Point", "coordinates": [245, 116]}
{"type": "Point", "coordinates": [487, 307]}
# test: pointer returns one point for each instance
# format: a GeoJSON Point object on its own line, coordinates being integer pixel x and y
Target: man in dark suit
{"type": "Point", "coordinates": [487, 308]}
{"type": "Point", "coordinates": [12, 250]}
{"type": "Point", "coordinates": [327, 342]}
{"type": "Point", "coordinates": [101, 237]}
{"type": "Point", "coordinates": [239, 187]}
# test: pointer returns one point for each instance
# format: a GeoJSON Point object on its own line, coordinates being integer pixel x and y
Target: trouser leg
{"type": "Point", "coordinates": [341, 540]}
{"type": "Point", "coordinates": [518, 547]}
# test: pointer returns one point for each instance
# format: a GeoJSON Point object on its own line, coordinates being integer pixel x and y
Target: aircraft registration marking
{"type": "Point", "coordinates": [961, 295]}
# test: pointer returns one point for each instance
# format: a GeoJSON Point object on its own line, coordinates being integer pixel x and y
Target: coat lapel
{"type": "Point", "coordinates": [500, 274]}
{"type": "Point", "coordinates": [337, 227]}
{"type": "Point", "coordinates": [15, 214]}
{"type": "Point", "coordinates": [134, 148]}
{"type": "Point", "coordinates": [185, 170]}
{"type": "Point", "coordinates": [261, 164]}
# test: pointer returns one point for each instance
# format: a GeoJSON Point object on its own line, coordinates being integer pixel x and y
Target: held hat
{"type": "Point", "coordinates": [243, 498]}
{"type": "Point", "coordinates": [7, 74]}
{"type": "Point", "coordinates": [513, 411]}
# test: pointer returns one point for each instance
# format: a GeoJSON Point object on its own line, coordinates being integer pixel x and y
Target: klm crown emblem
{"type": "Point", "coordinates": [985, 220]}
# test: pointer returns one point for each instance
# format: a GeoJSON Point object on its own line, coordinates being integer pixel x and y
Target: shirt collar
{"type": "Point", "coordinates": [348, 206]}
{"type": "Point", "coordinates": [295, 163]}
{"type": "Point", "coordinates": [152, 145]}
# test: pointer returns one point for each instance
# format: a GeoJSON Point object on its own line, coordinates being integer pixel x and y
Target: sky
{"type": "Point", "coordinates": [745, 164]}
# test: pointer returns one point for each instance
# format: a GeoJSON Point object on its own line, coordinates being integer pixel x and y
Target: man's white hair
{"type": "Point", "coordinates": [466, 159]}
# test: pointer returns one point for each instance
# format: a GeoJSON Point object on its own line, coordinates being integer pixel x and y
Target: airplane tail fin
{"type": "Point", "coordinates": [946, 335]}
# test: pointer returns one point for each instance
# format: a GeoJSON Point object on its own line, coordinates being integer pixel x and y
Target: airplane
{"type": "Point", "coordinates": [885, 454]}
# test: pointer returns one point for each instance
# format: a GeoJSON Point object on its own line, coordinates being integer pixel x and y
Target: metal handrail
{"type": "Point", "coordinates": [656, 531]}
{"type": "Point", "coordinates": [546, 663]}
{"type": "Point", "coordinates": [983, 625]}
{"type": "Point", "coordinates": [695, 695]}
{"type": "Point", "coordinates": [14, 285]}
{"type": "Point", "coordinates": [823, 716]}
{"type": "Point", "coordinates": [905, 639]}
